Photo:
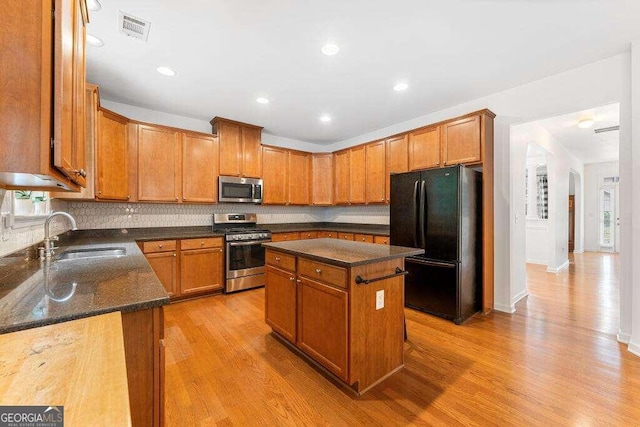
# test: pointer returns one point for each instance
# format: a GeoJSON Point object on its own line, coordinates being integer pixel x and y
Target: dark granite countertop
{"type": "Point", "coordinates": [36, 293]}
{"type": "Point", "coordinates": [342, 252]}
{"type": "Point", "coordinates": [380, 230]}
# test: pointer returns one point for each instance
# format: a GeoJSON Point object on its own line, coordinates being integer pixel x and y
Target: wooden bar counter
{"type": "Point", "coordinates": [341, 304]}
{"type": "Point", "coordinates": [78, 364]}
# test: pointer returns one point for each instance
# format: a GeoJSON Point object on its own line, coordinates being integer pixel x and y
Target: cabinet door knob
{"type": "Point", "coordinates": [292, 278]}
{"type": "Point", "coordinates": [99, 192]}
{"type": "Point", "coordinates": [175, 255]}
{"type": "Point", "coordinates": [278, 258]}
{"type": "Point", "coordinates": [159, 246]}
{"type": "Point", "coordinates": [298, 280]}
{"type": "Point", "coordinates": [201, 243]}
{"type": "Point", "coordinates": [176, 199]}
{"type": "Point", "coordinates": [128, 197]}
{"type": "Point", "coordinates": [318, 271]}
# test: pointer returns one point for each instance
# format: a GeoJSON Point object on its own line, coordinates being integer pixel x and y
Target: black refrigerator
{"type": "Point", "coordinates": [440, 210]}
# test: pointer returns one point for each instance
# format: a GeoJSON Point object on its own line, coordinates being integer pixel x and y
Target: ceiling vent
{"type": "Point", "coordinates": [609, 129]}
{"type": "Point", "coordinates": [133, 27]}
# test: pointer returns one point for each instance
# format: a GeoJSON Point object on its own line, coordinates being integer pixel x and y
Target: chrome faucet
{"type": "Point", "coordinates": [47, 250]}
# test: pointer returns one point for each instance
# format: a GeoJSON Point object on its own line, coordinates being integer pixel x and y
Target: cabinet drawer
{"type": "Point", "coordinates": [322, 272]}
{"type": "Point", "coordinates": [381, 240]}
{"type": "Point", "coordinates": [285, 237]}
{"type": "Point", "coordinates": [280, 260]}
{"type": "Point", "coordinates": [366, 238]}
{"type": "Point", "coordinates": [345, 236]}
{"type": "Point", "coordinates": [205, 243]}
{"type": "Point", "coordinates": [159, 246]}
{"type": "Point", "coordinates": [308, 234]}
{"type": "Point", "coordinates": [327, 235]}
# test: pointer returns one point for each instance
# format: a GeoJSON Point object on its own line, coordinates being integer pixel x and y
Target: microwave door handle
{"type": "Point", "coordinates": [423, 207]}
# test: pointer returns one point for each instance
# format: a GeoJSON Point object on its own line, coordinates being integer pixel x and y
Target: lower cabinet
{"type": "Point", "coordinates": [280, 302]}
{"type": "Point", "coordinates": [323, 329]}
{"type": "Point", "coordinates": [189, 266]}
{"type": "Point", "coordinates": [143, 333]}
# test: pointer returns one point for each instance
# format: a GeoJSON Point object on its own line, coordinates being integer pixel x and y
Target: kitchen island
{"type": "Point", "coordinates": [340, 304]}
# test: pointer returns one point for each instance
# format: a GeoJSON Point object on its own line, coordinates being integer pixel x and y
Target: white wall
{"type": "Point", "coordinates": [593, 174]}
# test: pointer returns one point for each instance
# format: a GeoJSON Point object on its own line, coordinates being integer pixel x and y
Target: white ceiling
{"type": "Point", "coordinates": [227, 53]}
{"type": "Point", "coordinates": [585, 144]}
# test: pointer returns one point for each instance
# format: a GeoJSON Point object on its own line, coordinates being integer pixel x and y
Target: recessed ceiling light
{"type": "Point", "coordinates": [330, 49]}
{"type": "Point", "coordinates": [262, 101]}
{"type": "Point", "coordinates": [166, 71]}
{"type": "Point", "coordinates": [325, 119]}
{"type": "Point", "coordinates": [585, 123]}
{"type": "Point", "coordinates": [94, 41]}
{"type": "Point", "coordinates": [399, 87]}
{"type": "Point", "coordinates": [93, 5]}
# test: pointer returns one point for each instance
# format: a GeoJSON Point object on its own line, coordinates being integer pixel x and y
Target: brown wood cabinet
{"type": "Point", "coordinates": [357, 175]}
{"type": "Point", "coordinates": [43, 60]}
{"type": "Point", "coordinates": [299, 170]}
{"type": "Point", "coordinates": [201, 269]}
{"type": "Point", "coordinates": [381, 240]}
{"type": "Point", "coordinates": [143, 333]}
{"type": "Point", "coordinates": [397, 159]}
{"type": "Point", "coordinates": [461, 141]}
{"type": "Point", "coordinates": [280, 302]}
{"type": "Point", "coordinates": [165, 265]}
{"type": "Point", "coordinates": [199, 168]}
{"type": "Point", "coordinates": [159, 164]}
{"type": "Point", "coordinates": [364, 238]}
{"type": "Point", "coordinates": [240, 149]}
{"type": "Point", "coordinates": [275, 177]}
{"type": "Point", "coordinates": [112, 157]}
{"type": "Point", "coordinates": [322, 179]}
{"type": "Point", "coordinates": [345, 236]}
{"type": "Point", "coordinates": [308, 234]}
{"type": "Point", "coordinates": [375, 172]}
{"type": "Point", "coordinates": [342, 174]}
{"type": "Point", "coordinates": [327, 234]}
{"type": "Point", "coordinates": [424, 148]}
{"type": "Point", "coordinates": [283, 237]}
{"type": "Point", "coordinates": [323, 328]}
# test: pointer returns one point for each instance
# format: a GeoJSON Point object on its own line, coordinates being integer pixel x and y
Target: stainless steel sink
{"type": "Point", "coordinates": [110, 252]}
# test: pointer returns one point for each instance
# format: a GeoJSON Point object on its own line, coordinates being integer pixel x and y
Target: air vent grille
{"type": "Point", "coordinates": [609, 129]}
{"type": "Point", "coordinates": [133, 26]}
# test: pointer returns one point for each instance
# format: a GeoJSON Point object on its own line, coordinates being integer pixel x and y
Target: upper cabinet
{"type": "Point", "coordinates": [240, 149]}
{"type": "Point", "coordinates": [42, 109]}
{"type": "Point", "coordinates": [112, 157]}
{"type": "Point", "coordinates": [299, 165]}
{"type": "Point", "coordinates": [341, 177]}
{"type": "Point", "coordinates": [461, 141]}
{"type": "Point", "coordinates": [199, 168]}
{"type": "Point", "coordinates": [357, 175]}
{"type": "Point", "coordinates": [397, 159]}
{"type": "Point", "coordinates": [275, 177]}
{"type": "Point", "coordinates": [375, 172]}
{"type": "Point", "coordinates": [424, 148]}
{"type": "Point", "coordinates": [322, 179]}
{"type": "Point", "coordinates": [159, 164]}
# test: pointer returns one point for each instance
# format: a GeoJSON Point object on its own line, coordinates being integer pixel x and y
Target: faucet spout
{"type": "Point", "coordinates": [47, 250]}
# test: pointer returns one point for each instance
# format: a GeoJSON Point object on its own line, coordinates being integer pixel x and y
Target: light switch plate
{"type": "Point", "coordinates": [379, 299]}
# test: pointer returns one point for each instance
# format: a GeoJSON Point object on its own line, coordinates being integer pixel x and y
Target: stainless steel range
{"type": "Point", "coordinates": [244, 252]}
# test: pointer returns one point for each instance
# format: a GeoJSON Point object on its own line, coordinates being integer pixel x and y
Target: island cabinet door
{"type": "Point", "coordinates": [280, 302]}
{"type": "Point", "coordinates": [323, 331]}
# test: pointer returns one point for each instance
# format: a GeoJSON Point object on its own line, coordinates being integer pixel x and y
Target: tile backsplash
{"type": "Point", "coordinates": [95, 215]}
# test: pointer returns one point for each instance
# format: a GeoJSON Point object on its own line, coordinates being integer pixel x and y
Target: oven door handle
{"type": "Point", "coordinates": [252, 242]}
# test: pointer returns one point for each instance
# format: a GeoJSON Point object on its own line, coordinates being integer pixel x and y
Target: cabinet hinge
{"type": "Point", "coordinates": [53, 13]}
{"type": "Point", "coordinates": [52, 144]}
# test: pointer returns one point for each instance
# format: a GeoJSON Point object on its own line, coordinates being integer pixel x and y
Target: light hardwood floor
{"type": "Point", "coordinates": [555, 361]}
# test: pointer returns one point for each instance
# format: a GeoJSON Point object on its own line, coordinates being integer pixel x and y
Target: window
{"type": "Point", "coordinates": [25, 208]}
{"type": "Point", "coordinates": [607, 200]}
{"type": "Point", "coordinates": [542, 195]}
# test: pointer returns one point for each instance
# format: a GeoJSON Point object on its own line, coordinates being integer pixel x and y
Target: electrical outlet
{"type": "Point", "coordinates": [379, 299]}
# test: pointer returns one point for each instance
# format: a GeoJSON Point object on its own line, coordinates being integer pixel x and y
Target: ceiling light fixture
{"type": "Point", "coordinates": [94, 41]}
{"type": "Point", "coordinates": [166, 71]}
{"type": "Point", "coordinates": [93, 5]}
{"type": "Point", "coordinates": [325, 119]}
{"type": "Point", "coordinates": [330, 49]}
{"type": "Point", "coordinates": [585, 123]}
{"type": "Point", "coordinates": [262, 100]}
{"type": "Point", "coordinates": [399, 87]}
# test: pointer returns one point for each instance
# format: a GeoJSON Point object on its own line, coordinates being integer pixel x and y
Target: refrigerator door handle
{"type": "Point", "coordinates": [423, 206]}
{"type": "Point", "coordinates": [432, 263]}
{"type": "Point", "coordinates": [415, 213]}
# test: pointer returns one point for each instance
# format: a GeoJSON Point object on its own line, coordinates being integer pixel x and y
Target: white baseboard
{"type": "Point", "coordinates": [518, 297]}
{"type": "Point", "coordinates": [634, 348]}
{"type": "Point", "coordinates": [536, 261]}
{"type": "Point", "coordinates": [579, 251]}
{"type": "Point", "coordinates": [504, 308]}
{"type": "Point", "coordinates": [623, 337]}
{"type": "Point", "coordinates": [557, 270]}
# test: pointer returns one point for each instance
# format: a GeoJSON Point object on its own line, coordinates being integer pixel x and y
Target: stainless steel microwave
{"type": "Point", "coordinates": [239, 190]}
